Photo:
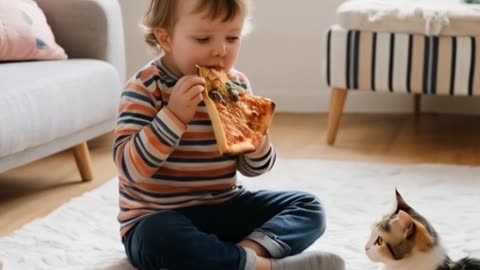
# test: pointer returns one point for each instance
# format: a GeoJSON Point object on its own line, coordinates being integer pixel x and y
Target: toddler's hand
{"type": "Point", "coordinates": [186, 95]}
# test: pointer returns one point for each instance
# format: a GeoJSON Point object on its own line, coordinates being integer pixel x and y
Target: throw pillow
{"type": "Point", "coordinates": [25, 33]}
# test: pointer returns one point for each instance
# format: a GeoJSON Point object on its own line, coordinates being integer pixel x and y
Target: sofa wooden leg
{"type": "Point", "coordinates": [337, 101]}
{"type": "Point", "coordinates": [417, 103]}
{"type": "Point", "coordinates": [84, 163]}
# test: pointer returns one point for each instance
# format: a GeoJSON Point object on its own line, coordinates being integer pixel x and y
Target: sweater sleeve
{"type": "Point", "coordinates": [258, 162]}
{"type": "Point", "coordinates": [145, 136]}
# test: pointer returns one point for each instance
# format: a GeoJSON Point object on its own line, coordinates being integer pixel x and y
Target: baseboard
{"type": "Point", "coordinates": [371, 102]}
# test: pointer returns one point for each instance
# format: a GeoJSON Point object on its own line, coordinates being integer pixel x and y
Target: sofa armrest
{"type": "Point", "coordinates": [88, 29]}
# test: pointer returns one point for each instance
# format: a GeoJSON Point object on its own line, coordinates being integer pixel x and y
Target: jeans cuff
{"type": "Point", "coordinates": [248, 259]}
{"type": "Point", "coordinates": [270, 242]}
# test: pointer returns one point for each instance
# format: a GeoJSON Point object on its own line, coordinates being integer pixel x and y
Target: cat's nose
{"type": "Point", "coordinates": [367, 248]}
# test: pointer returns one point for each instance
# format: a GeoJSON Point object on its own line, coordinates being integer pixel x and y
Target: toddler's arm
{"type": "Point", "coordinates": [258, 162]}
{"type": "Point", "coordinates": [144, 137]}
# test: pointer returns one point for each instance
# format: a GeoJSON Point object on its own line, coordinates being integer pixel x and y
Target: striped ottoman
{"type": "Point", "coordinates": [416, 62]}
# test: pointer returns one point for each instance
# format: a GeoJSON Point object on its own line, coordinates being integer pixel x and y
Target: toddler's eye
{"type": "Point", "coordinates": [379, 241]}
{"type": "Point", "coordinates": [202, 39]}
{"type": "Point", "coordinates": [232, 39]}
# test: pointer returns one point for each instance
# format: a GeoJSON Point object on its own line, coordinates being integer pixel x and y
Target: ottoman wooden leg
{"type": "Point", "coordinates": [84, 163]}
{"type": "Point", "coordinates": [417, 103]}
{"type": "Point", "coordinates": [337, 101]}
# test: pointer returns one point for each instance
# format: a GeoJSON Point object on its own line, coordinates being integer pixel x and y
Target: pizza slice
{"type": "Point", "coordinates": [239, 118]}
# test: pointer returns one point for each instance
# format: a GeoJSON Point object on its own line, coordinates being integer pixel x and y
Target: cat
{"type": "Point", "coordinates": [405, 240]}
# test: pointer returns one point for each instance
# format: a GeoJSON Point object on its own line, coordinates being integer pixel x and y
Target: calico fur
{"type": "Point", "coordinates": [405, 240]}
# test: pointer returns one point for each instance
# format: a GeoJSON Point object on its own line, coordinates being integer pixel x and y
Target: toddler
{"type": "Point", "coordinates": [180, 204]}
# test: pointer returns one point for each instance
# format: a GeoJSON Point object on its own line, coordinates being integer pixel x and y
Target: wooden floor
{"type": "Point", "coordinates": [36, 189]}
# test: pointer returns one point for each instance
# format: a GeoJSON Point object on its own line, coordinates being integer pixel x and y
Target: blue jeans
{"type": "Point", "coordinates": [205, 236]}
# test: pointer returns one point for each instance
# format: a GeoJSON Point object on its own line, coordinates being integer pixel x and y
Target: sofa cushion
{"type": "Point", "coordinates": [25, 33]}
{"type": "Point", "coordinates": [426, 17]}
{"type": "Point", "coordinates": [45, 100]}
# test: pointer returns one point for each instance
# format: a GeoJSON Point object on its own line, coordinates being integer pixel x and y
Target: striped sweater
{"type": "Point", "coordinates": [165, 164]}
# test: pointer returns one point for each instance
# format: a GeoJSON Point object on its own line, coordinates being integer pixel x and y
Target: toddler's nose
{"type": "Point", "coordinates": [220, 49]}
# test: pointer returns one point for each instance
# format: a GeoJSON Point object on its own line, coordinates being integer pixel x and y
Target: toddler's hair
{"type": "Point", "coordinates": [161, 13]}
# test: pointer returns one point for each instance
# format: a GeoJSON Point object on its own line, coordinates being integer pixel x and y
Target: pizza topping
{"type": "Point", "coordinates": [215, 95]}
{"type": "Point", "coordinates": [233, 90]}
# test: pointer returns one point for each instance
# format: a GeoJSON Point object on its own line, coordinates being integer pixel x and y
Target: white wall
{"type": "Point", "coordinates": [284, 55]}
{"type": "Point", "coordinates": [137, 53]}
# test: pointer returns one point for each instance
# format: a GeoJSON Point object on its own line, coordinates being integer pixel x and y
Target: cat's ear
{"type": "Point", "coordinates": [406, 222]}
{"type": "Point", "coordinates": [401, 204]}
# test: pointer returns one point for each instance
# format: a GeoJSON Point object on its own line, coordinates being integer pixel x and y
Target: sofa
{"type": "Point", "coordinates": [51, 106]}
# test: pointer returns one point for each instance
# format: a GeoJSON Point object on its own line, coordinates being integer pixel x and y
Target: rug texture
{"type": "Point", "coordinates": [83, 233]}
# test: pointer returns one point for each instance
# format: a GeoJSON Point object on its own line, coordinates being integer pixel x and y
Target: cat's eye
{"type": "Point", "coordinates": [379, 241]}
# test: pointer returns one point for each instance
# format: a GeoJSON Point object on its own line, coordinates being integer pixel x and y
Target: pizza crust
{"type": "Point", "coordinates": [218, 128]}
{"type": "Point", "coordinates": [248, 144]}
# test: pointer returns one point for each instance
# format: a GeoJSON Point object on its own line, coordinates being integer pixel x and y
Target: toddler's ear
{"type": "Point", "coordinates": [163, 38]}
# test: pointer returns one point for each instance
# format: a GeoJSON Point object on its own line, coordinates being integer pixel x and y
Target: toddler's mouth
{"type": "Point", "coordinates": [219, 68]}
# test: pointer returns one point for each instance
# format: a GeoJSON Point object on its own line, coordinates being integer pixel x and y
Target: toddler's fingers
{"type": "Point", "coordinates": [187, 82]}
{"type": "Point", "coordinates": [194, 91]}
{"type": "Point", "coordinates": [197, 99]}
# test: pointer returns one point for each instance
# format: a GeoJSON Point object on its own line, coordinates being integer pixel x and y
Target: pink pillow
{"type": "Point", "coordinates": [25, 33]}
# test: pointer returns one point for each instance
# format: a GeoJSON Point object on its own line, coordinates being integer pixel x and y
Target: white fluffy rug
{"type": "Point", "coordinates": [83, 234]}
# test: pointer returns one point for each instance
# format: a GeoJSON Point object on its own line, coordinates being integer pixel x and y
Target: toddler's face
{"type": "Point", "coordinates": [199, 40]}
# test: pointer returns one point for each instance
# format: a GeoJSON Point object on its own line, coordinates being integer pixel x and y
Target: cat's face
{"type": "Point", "coordinates": [399, 235]}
